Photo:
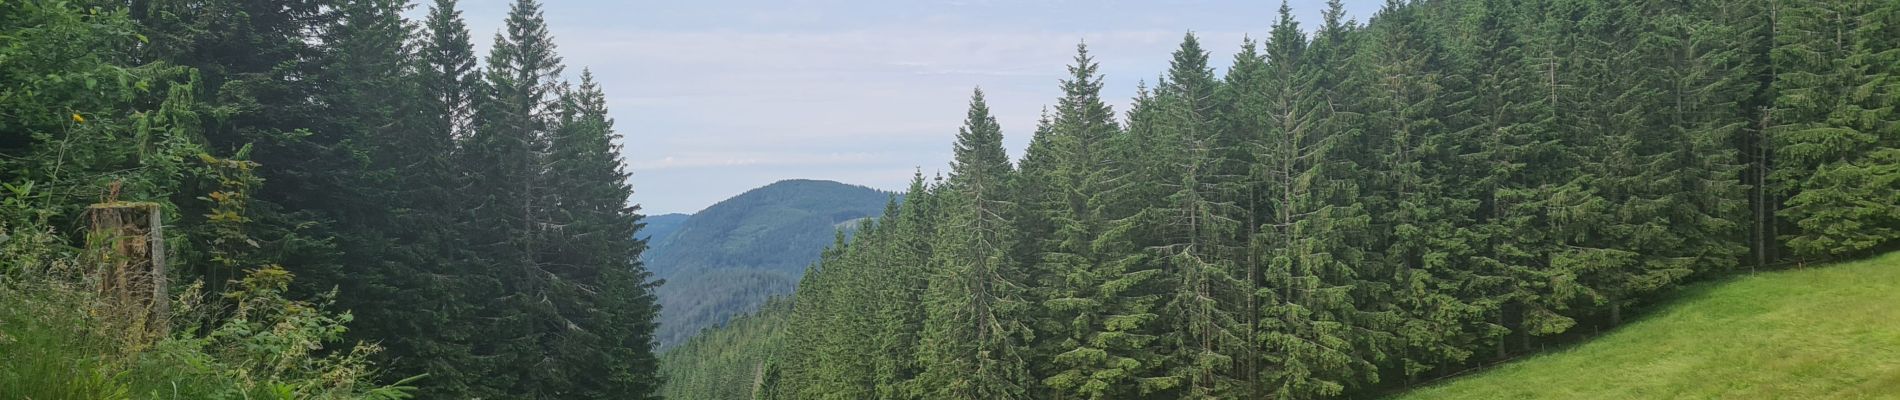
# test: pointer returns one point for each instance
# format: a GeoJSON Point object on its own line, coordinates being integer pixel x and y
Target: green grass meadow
{"type": "Point", "coordinates": [1822, 332]}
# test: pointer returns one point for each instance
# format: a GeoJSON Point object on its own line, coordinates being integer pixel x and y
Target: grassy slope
{"type": "Point", "coordinates": [1828, 332]}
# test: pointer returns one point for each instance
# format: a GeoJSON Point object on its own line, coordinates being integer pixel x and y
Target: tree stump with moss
{"type": "Point", "coordinates": [128, 240]}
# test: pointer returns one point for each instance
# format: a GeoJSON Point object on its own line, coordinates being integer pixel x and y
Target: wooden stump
{"type": "Point", "coordinates": [128, 239]}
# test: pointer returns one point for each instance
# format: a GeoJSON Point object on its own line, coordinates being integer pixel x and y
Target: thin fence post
{"type": "Point", "coordinates": [161, 303]}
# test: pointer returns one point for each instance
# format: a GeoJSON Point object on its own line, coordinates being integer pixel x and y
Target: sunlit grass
{"type": "Point", "coordinates": [1825, 332]}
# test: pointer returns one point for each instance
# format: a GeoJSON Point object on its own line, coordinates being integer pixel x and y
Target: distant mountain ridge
{"type": "Point", "coordinates": [733, 256]}
{"type": "Point", "coordinates": [661, 226]}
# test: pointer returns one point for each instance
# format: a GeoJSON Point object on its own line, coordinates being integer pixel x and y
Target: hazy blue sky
{"type": "Point", "coordinates": [717, 97]}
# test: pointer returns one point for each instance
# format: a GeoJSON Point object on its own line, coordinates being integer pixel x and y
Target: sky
{"type": "Point", "coordinates": [718, 97]}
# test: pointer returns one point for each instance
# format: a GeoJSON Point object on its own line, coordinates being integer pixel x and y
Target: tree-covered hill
{"type": "Point", "coordinates": [777, 227]}
{"type": "Point", "coordinates": [733, 256]}
{"type": "Point", "coordinates": [1351, 208]}
{"type": "Point", "coordinates": [707, 298]}
{"type": "Point", "coordinates": [1823, 332]}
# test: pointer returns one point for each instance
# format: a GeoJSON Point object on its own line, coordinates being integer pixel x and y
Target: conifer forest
{"type": "Point", "coordinates": [343, 199]}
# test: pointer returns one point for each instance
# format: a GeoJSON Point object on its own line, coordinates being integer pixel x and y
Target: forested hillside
{"type": "Point", "coordinates": [731, 257]}
{"type": "Point", "coordinates": [1352, 208]}
{"type": "Point", "coordinates": [768, 228]}
{"type": "Point", "coordinates": [315, 164]}
{"type": "Point", "coordinates": [661, 226]}
{"type": "Point", "coordinates": [728, 362]}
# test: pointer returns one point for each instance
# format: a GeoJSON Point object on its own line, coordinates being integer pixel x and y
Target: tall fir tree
{"type": "Point", "coordinates": [1496, 116]}
{"type": "Point", "coordinates": [398, 250]}
{"type": "Point", "coordinates": [1194, 227]}
{"type": "Point", "coordinates": [1708, 88]}
{"type": "Point", "coordinates": [1316, 338]}
{"type": "Point", "coordinates": [812, 318]}
{"type": "Point", "coordinates": [975, 330]}
{"type": "Point", "coordinates": [449, 79]}
{"type": "Point", "coordinates": [1609, 213]}
{"type": "Point", "coordinates": [606, 297]}
{"type": "Point", "coordinates": [1419, 197]}
{"type": "Point", "coordinates": [1245, 120]}
{"type": "Point", "coordinates": [903, 280]}
{"type": "Point", "coordinates": [1102, 295]}
{"type": "Point", "coordinates": [429, 179]}
{"type": "Point", "coordinates": [506, 225]}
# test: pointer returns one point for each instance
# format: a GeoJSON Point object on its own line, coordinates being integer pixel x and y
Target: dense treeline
{"type": "Point", "coordinates": [726, 363]}
{"type": "Point", "coordinates": [475, 219]}
{"type": "Point", "coordinates": [1353, 208]}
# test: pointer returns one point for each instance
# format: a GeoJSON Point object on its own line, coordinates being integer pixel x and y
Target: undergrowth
{"type": "Point", "coordinates": [59, 341]}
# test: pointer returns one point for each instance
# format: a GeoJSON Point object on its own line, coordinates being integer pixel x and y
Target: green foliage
{"type": "Point", "coordinates": [62, 341]}
{"type": "Point", "coordinates": [331, 140]}
{"type": "Point", "coordinates": [271, 348]}
{"type": "Point", "coordinates": [81, 120]}
{"type": "Point", "coordinates": [1837, 133]}
{"type": "Point", "coordinates": [884, 316]}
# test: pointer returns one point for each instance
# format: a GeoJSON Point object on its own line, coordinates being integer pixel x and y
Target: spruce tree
{"type": "Point", "coordinates": [1245, 120]}
{"type": "Point", "coordinates": [259, 68]}
{"type": "Point", "coordinates": [449, 79]}
{"type": "Point", "coordinates": [422, 165]}
{"type": "Point", "coordinates": [1748, 29]}
{"type": "Point", "coordinates": [398, 251]}
{"type": "Point", "coordinates": [811, 321]}
{"type": "Point", "coordinates": [1707, 88]}
{"type": "Point", "coordinates": [1835, 157]}
{"type": "Point", "coordinates": [974, 332]}
{"type": "Point", "coordinates": [1419, 194]}
{"type": "Point", "coordinates": [1497, 116]}
{"type": "Point", "coordinates": [1540, 215]}
{"type": "Point", "coordinates": [845, 371]}
{"type": "Point", "coordinates": [1195, 227]}
{"type": "Point", "coordinates": [903, 280]}
{"type": "Point", "coordinates": [1607, 218]}
{"type": "Point", "coordinates": [1105, 288]}
{"type": "Point", "coordinates": [1315, 336]}
{"type": "Point", "coordinates": [604, 293]}
{"type": "Point", "coordinates": [506, 226]}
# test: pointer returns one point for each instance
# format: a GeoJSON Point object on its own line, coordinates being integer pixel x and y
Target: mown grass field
{"type": "Point", "coordinates": [1824, 332]}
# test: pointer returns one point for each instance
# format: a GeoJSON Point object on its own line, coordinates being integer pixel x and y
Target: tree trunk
{"type": "Point", "coordinates": [1616, 312]}
{"type": "Point", "coordinates": [1501, 341]}
{"type": "Point", "coordinates": [130, 275]}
